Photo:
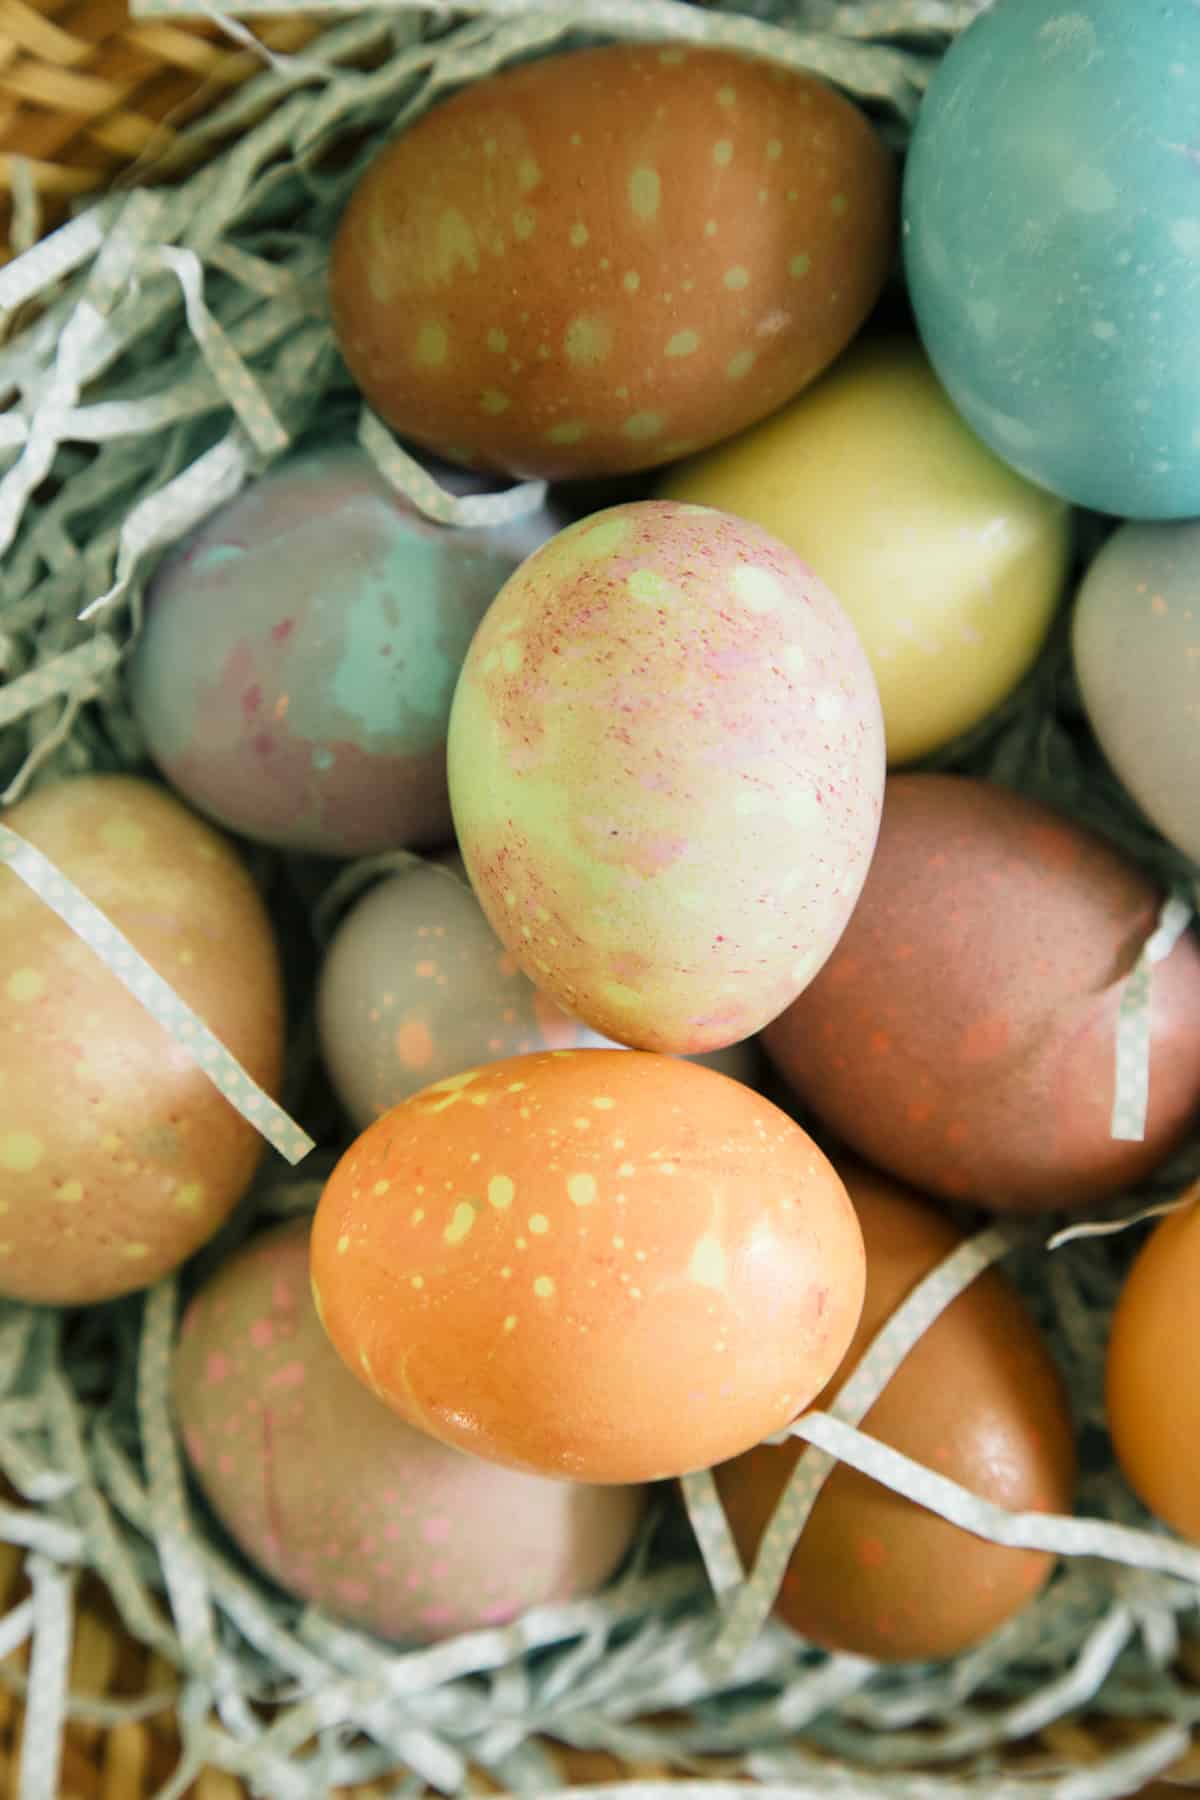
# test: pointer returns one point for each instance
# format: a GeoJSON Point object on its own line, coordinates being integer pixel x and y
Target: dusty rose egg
{"type": "Point", "coordinates": [666, 767]}
{"type": "Point", "coordinates": [609, 1267]}
{"type": "Point", "coordinates": [597, 261]}
{"type": "Point", "coordinates": [416, 986]}
{"type": "Point", "coordinates": [963, 1035]}
{"type": "Point", "coordinates": [342, 1503]}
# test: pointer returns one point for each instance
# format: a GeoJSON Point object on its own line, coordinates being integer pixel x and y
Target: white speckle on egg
{"type": "Point", "coordinates": [642, 425]}
{"type": "Point", "coordinates": [1089, 190]}
{"type": "Point", "coordinates": [578, 234]}
{"type": "Point", "coordinates": [736, 278]}
{"type": "Point", "coordinates": [645, 192]}
{"type": "Point", "coordinates": [683, 343]}
{"type": "Point", "coordinates": [20, 1151]}
{"type": "Point", "coordinates": [722, 153]}
{"type": "Point", "coordinates": [24, 985]}
{"type": "Point", "coordinates": [739, 364]}
{"type": "Point", "coordinates": [1185, 235]}
{"type": "Point", "coordinates": [587, 341]}
{"type": "Point", "coordinates": [432, 345]}
{"type": "Point", "coordinates": [756, 588]}
{"type": "Point", "coordinates": [709, 1264]}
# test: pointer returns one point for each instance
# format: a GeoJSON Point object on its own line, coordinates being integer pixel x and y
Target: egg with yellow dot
{"type": "Point", "coordinates": [118, 1155]}
{"type": "Point", "coordinates": [588, 263]}
{"type": "Point", "coordinates": [597, 1267]}
{"type": "Point", "coordinates": [949, 563]}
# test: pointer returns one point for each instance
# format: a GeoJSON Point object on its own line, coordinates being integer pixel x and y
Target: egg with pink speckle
{"type": "Point", "coordinates": [343, 1504]}
{"type": "Point", "coordinates": [294, 674]}
{"type": "Point", "coordinates": [666, 767]}
{"type": "Point", "coordinates": [416, 986]}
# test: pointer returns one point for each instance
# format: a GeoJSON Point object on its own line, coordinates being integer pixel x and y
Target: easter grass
{"type": "Point", "coordinates": [161, 350]}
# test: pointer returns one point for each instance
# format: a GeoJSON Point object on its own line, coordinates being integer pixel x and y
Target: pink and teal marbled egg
{"type": "Point", "coordinates": [666, 769]}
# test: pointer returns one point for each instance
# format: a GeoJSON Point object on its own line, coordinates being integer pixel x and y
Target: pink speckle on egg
{"type": "Point", "coordinates": [196, 1448]}
{"type": "Point", "coordinates": [217, 1366]}
{"type": "Point", "coordinates": [262, 1333]}
{"type": "Point", "coordinates": [291, 1375]}
{"type": "Point", "coordinates": [436, 1531]}
{"type": "Point", "coordinates": [438, 1616]}
{"type": "Point", "coordinates": [355, 1593]}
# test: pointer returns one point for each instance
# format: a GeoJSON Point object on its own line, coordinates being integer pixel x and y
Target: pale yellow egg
{"type": "Point", "coordinates": [949, 564]}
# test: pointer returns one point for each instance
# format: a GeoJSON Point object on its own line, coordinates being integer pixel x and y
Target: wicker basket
{"type": "Point", "coordinates": [93, 101]}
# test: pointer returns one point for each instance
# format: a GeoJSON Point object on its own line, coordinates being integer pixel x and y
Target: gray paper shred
{"type": "Point", "coordinates": [180, 345]}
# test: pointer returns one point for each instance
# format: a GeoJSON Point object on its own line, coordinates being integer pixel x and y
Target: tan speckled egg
{"type": "Point", "coordinates": [598, 261]}
{"type": "Point", "coordinates": [608, 1267]}
{"type": "Point", "coordinates": [963, 1033]}
{"type": "Point", "coordinates": [341, 1502]}
{"type": "Point", "coordinates": [118, 1157]}
{"type": "Point", "coordinates": [416, 986]}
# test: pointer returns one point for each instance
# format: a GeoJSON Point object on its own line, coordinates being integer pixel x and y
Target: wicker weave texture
{"type": "Point", "coordinates": [89, 95]}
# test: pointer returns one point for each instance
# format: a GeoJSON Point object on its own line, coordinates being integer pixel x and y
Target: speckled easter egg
{"type": "Point", "coordinates": [1021, 926]}
{"type": "Point", "coordinates": [949, 563]}
{"type": "Point", "coordinates": [594, 261]}
{"type": "Point", "coordinates": [294, 675]}
{"type": "Point", "coordinates": [978, 1400]}
{"type": "Point", "coordinates": [666, 767]}
{"type": "Point", "coordinates": [118, 1156]}
{"type": "Point", "coordinates": [1136, 641]}
{"type": "Point", "coordinates": [341, 1502]}
{"type": "Point", "coordinates": [1052, 245]}
{"type": "Point", "coordinates": [608, 1267]}
{"type": "Point", "coordinates": [1152, 1378]}
{"type": "Point", "coordinates": [416, 986]}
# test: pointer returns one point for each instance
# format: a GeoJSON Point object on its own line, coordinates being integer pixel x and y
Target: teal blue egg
{"type": "Point", "coordinates": [1052, 245]}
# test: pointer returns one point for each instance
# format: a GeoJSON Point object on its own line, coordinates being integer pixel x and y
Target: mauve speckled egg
{"type": "Point", "coordinates": [294, 674]}
{"type": "Point", "coordinates": [416, 986]}
{"type": "Point", "coordinates": [594, 262]}
{"type": "Point", "coordinates": [666, 768]}
{"type": "Point", "coordinates": [1136, 640]}
{"type": "Point", "coordinates": [611, 1267]}
{"type": "Point", "coordinates": [963, 1034]}
{"type": "Point", "coordinates": [341, 1502]}
{"type": "Point", "coordinates": [1052, 245]}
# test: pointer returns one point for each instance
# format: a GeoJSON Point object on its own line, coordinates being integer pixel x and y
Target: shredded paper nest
{"type": "Point", "coordinates": [155, 354]}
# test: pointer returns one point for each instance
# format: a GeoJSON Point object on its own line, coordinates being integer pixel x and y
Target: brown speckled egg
{"type": "Point", "coordinates": [978, 1400]}
{"type": "Point", "coordinates": [118, 1157]}
{"type": "Point", "coordinates": [416, 986]}
{"type": "Point", "coordinates": [613, 1267]}
{"type": "Point", "coordinates": [963, 1034]}
{"type": "Point", "coordinates": [596, 262]}
{"type": "Point", "coordinates": [666, 766]}
{"type": "Point", "coordinates": [342, 1503]}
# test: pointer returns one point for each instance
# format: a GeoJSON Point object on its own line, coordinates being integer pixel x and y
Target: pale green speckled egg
{"type": "Point", "coordinates": [666, 769]}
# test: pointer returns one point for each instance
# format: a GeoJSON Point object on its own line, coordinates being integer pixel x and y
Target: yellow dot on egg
{"type": "Point", "coordinates": [631, 281]}
{"type": "Point", "coordinates": [20, 1151]}
{"type": "Point", "coordinates": [432, 345]}
{"type": "Point", "coordinates": [462, 1221]}
{"type": "Point", "coordinates": [710, 228]}
{"type": "Point", "coordinates": [581, 1189]}
{"type": "Point", "coordinates": [543, 1287]}
{"type": "Point", "coordinates": [645, 192]}
{"type": "Point", "coordinates": [135, 1252]}
{"type": "Point", "coordinates": [497, 341]}
{"type": "Point", "coordinates": [642, 425]}
{"type": "Point", "coordinates": [510, 1323]}
{"type": "Point", "coordinates": [494, 401]}
{"type": "Point", "coordinates": [418, 1215]}
{"type": "Point", "coordinates": [528, 174]}
{"type": "Point", "coordinates": [524, 222]}
{"type": "Point", "coordinates": [71, 1191]}
{"type": "Point", "coordinates": [188, 1197]}
{"type": "Point", "coordinates": [501, 1190]}
{"type": "Point", "coordinates": [539, 1224]}
{"type": "Point", "coordinates": [418, 1281]}
{"type": "Point", "coordinates": [122, 835]}
{"type": "Point", "coordinates": [578, 234]}
{"type": "Point", "coordinates": [800, 265]}
{"type": "Point", "coordinates": [571, 431]}
{"type": "Point", "coordinates": [774, 149]}
{"type": "Point", "coordinates": [684, 343]}
{"type": "Point", "coordinates": [722, 153]}
{"type": "Point", "coordinates": [587, 341]}
{"type": "Point", "coordinates": [25, 984]}
{"type": "Point", "coordinates": [739, 364]}
{"type": "Point", "coordinates": [603, 1102]}
{"type": "Point", "coordinates": [381, 1187]}
{"type": "Point", "coordinates": [736, 278]}
{"type": "Point", "coordinates": [343, 1244]}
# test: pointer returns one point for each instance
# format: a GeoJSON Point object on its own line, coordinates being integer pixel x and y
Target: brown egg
{"type": "Point", "coordinates": [118, 1157]}
{"type": "Point", "coordinates": [598, 261]}
{"type": "Point", "coordinates": [963, 1034]}
{"type": "Point", "coordinates": [979, 1400]}
{"type": "Point", "coordinates": [341, 1502]}
{"type": "Point", "coordinates": [1153, 1373]}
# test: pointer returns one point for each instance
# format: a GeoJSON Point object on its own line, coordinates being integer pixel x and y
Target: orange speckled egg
{"type": "Point", "coordinates": [978, 1399]}
{"type": "Point", "coordinates": [963, 1034]}
{"type": "Point", "coordinates": [613, 1268]}
{"type": "Point", "coordinates": [1153, 1373]}
{"type": "Point", "coordinates": [598, 261]}
{"type": "Point", "coordinates": [118, 1157]}
{"type": "Point", "coordinates": [666, 767]}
